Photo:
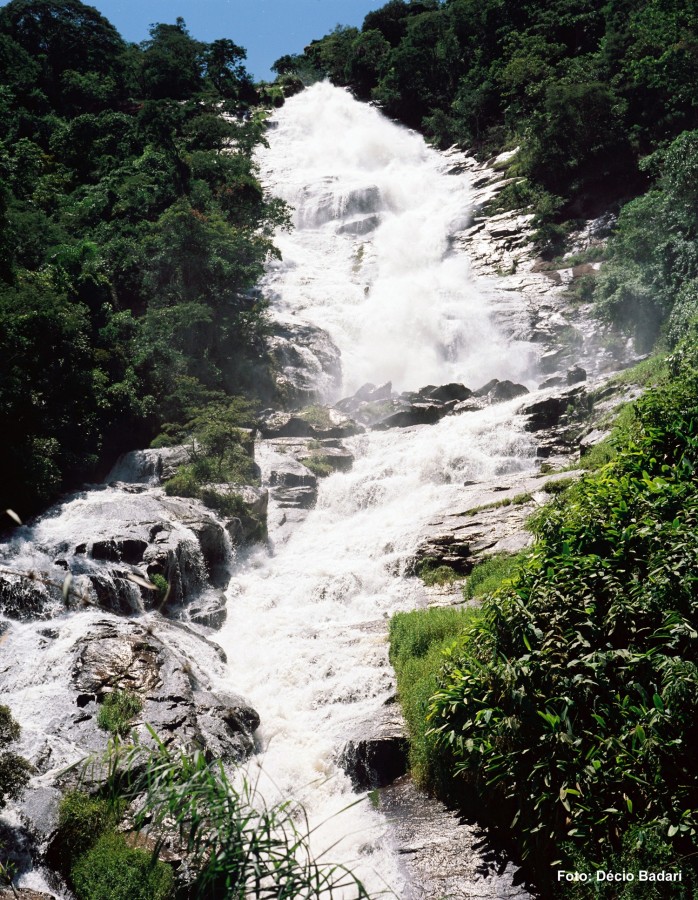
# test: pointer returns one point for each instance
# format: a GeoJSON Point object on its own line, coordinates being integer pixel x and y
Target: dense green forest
{"type": "Point", "coordinates": [130, 242]}
{"type": "Point", "coordinates": [586, 88]}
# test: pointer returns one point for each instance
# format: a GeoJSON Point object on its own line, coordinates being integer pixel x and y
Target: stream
{"type": "Point", "coordinates": [369, 261]}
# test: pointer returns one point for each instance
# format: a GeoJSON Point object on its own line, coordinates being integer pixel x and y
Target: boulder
{"type": "Point", "coordinates": [506, 390]}
{"type": "Point", "coordinates": [377, 754]}
{"type": "Point", "coordinates": [446, 392]}
{"type": "Point", "coordinates": [545, 413]}
{"type": "Point", "coordinates": [575, 374]}
{"type": "Point", "coordinates": [307, 362]}
{"type": "Point", "coordinates": [415, 414]}
{"type": "Point", "coordinates": [146, 661]}
{"type": "Point", "coordinates": [330, 423]}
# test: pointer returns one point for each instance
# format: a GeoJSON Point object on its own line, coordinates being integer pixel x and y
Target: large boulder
{"type": "Point", "coordinates": [315, 422]}
{"type": "Point", "coordinates": [377, 753]}
{"type": "Point", "coordinates": [307, 362]}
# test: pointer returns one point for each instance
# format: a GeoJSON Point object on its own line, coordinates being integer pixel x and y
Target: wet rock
{"type": "Point", "coordinates": [127, 549]}
{"type": "Point", "coordinates": [359, 226]}
{"type": "Point", "coordinates": [545, 413]}
{"type": "Point", "coordinates": [307, 360]}
{"type": "Point", "coordinates": [333, 424]}
{"type": "Point", "coordinates": [506, 390]}
{"type": "Point", "coordinates": [550, 361]}
{"type": "Point", "coordinates": [442, 855]}
{"type": "Point", "coordinates": [377, 755]}
{"type": "Point", "coordinates": [594, 437]}
{"type": "Point", "coordinates": [209, 611]}
{"type": "Point", "coordinates": [23, 597]}
{"type": "Point", "coordinates": [127, 656]}
{"type": "Point", "coordinates": [576, 374]}
{"type": "Point", "coordinates": [553, 381]}
{"type": "Point", "coordinates": [415, 414]}
{"type": "Point", "coordinates": [486, 388]}
{"type": "Point", "coordinates": [446, 392]}
{"type": "Point", "coordinates": [24, 894]}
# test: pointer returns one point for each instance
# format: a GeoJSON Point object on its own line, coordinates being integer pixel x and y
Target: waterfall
{"type": "Point", "coordinates": [370, 260]}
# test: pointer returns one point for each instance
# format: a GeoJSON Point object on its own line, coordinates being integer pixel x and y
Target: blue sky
{"type": "Point", "coordinates": [266, 28]}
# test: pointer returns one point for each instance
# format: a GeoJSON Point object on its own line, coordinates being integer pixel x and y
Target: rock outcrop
{"type": "Point", "coordinates": [307, 362]}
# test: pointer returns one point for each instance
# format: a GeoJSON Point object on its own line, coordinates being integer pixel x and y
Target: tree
{"type": "Point", "coordinates": [172, 64]}
{"type": "Point", "coordinates": [62, 35]}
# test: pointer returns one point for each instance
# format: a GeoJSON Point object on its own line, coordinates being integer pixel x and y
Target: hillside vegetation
{"type": "Point", "coordinates": [133, 230]}
{"type": "Point", "coordinates": [586, 88]}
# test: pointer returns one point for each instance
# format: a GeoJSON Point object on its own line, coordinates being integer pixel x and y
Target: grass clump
{"type": "Point", "coordinates": [419, 641]}
{"type": "Point", "coordinates": [318, 416]}
{"type": "Point", "coordinates": [558, 485]}
{"type": "Point", "coordinates": [82, 819]}
{"type": "Point", "coordinates": [489, 575]}
{"type": "Point", "coordinates": [433, 574]}
{"type": "Point", "coordinates": [117, 711]}
{"type": "Point", "coordinates": [112, 870]}
{"type": "Point", "coordinates": [318, 465]}
{"type": "Point", "coordinates": [235, 845]}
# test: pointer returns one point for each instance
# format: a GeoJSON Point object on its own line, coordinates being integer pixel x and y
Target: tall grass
{"type": "Point", "coordinates": [235, 845]}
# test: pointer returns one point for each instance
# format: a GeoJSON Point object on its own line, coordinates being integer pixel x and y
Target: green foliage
{"type": "Point", "coordinates": [14, 769]}
{"type": "Point", "coordinates": [432, 573]}
{"type": "Point", "coordinates": [559, 485]}
{"type": "Point", "coordinates": [82, 819]}
{"type": "Point", "coordinates": [572, 704]}
{"type": "Point", "coordinates": [161, 584]}
{"type": "Point", "coordinates": [316, 415]}
{"type": "Point", "coordinates": [112, 870]}
{"type": "Point", "coordinates": [129, 242]}
{"type": "Point", "coordinates": [319, 465]}
{"type": "Point", "coordinates": [117, 711]}
{"type": "Point", "coordinates": [652, 274]}
{"type": "Point", "coordinates": [419, 641]}
{"type": "Point", "coordinates": [489, 575]}
{"type": "Point", "coordinates": [235, 845]}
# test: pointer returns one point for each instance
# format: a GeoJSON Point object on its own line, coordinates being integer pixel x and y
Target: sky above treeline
{"type": "Point", "coordinates": [267, 29]}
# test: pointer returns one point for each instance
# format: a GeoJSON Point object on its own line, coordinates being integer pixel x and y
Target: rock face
{"type": "Point", "coordinates": [107, 537]}
{"type": "Point", "coordinates": [490, 518]}
{"type": "Point", "coordinates": [307, 361]}
{"type": "Point", "coordinates": [71, 667]}
{"type": "Point", "coordinates": [531, 297]}
{"type": "Point", "coordinates": [128, 656]}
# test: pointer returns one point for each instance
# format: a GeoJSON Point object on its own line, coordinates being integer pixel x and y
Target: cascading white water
{"type": "Point", "coordinates": [368, 261]}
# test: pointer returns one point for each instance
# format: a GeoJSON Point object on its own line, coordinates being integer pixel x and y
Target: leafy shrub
{"type": "Point", "coordinates": [574, 702]}
{"type": "Point", "coordinates": [112, 870]}
{"type": "Point", "coordinates": [432, 573]}
{"type": "Point", "coordinates": [161, 584]}
{"type": "Point", "coordinates": [82, 819]}
{"type": "Point", "coordinates": [117, 710]}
